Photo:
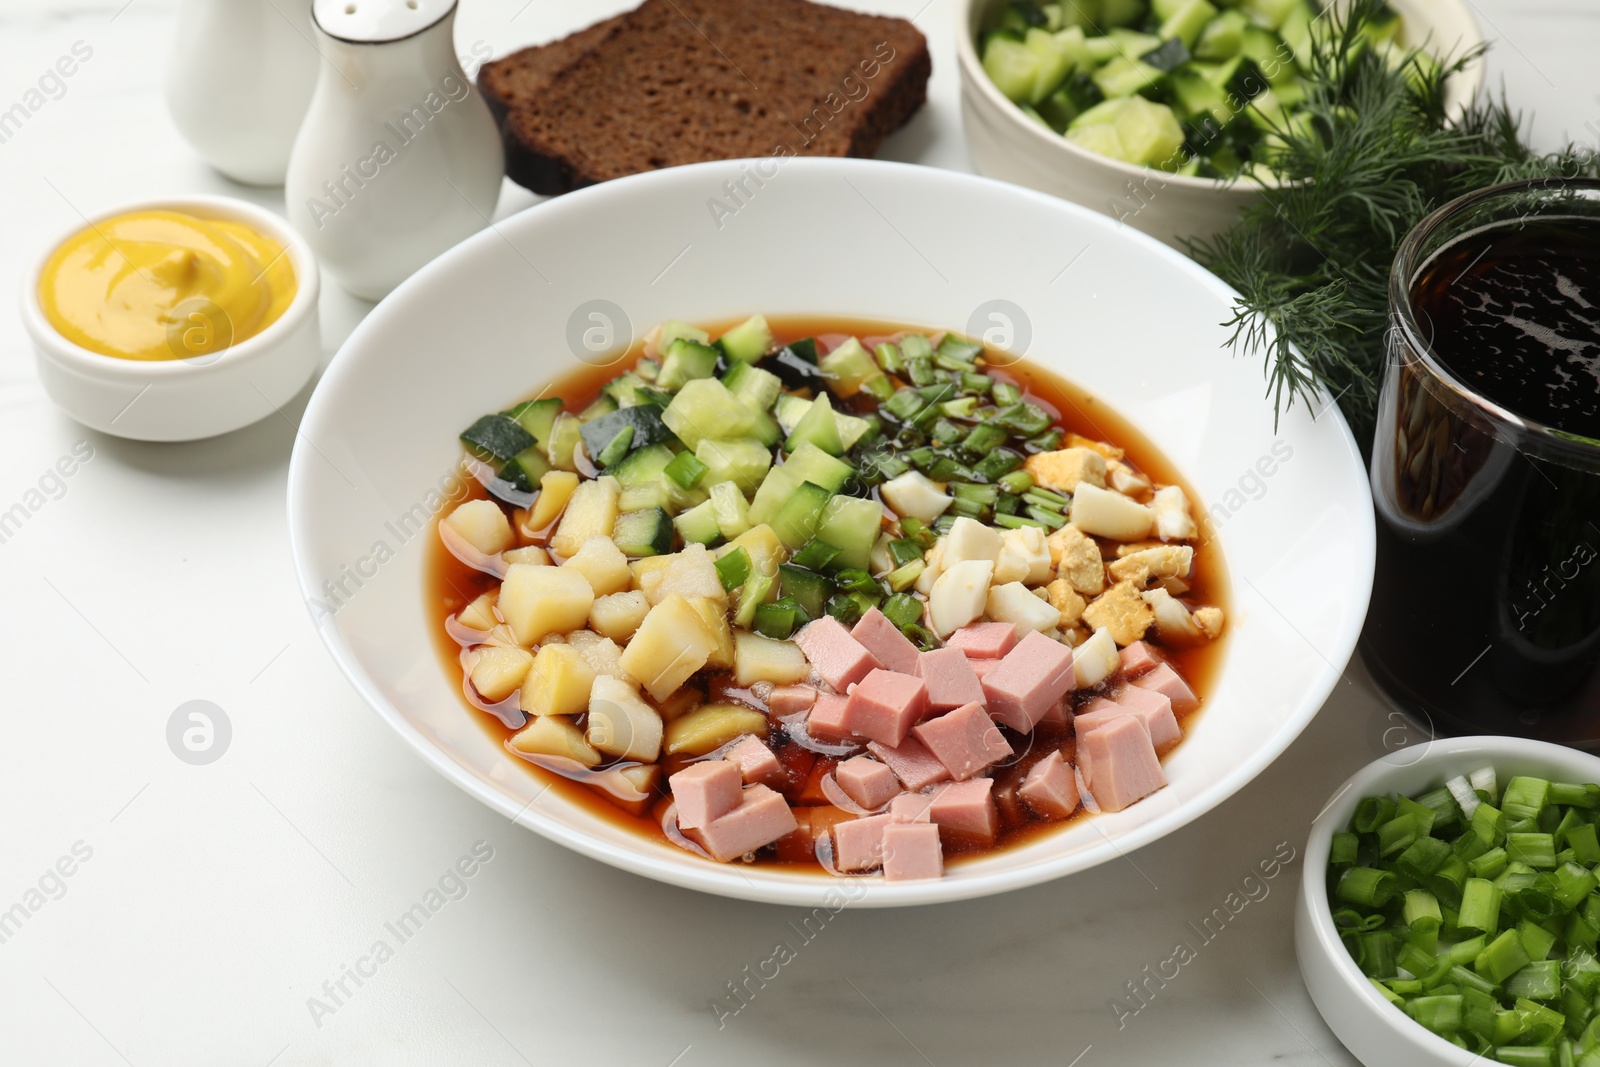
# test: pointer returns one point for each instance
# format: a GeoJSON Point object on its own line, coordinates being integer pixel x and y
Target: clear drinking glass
{"type": "Point", "coordinates": [1485, 613]}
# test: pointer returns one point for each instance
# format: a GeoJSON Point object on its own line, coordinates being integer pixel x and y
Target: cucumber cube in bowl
{"type": "Point", "coordinates": [1012, 66]}
{"type": "Point", "coordinates": [796, 521]}
{"type": "Point", "coordinates": [742, 461]}
{"type": "Point", "coordinates": [818, 428]}
{"type": "Point", "coordinates": [1145, 133]}
{"type": "Point", "coordinates": [643, 533]}
{"type": "Point", "coordinates": [704, 408]}
{"type": "Point", "coordinates": [748, 341]}
{"type": "Point", "coordinates": [851, 525]}
{"type": "Point", "coordinates": [686, 360]}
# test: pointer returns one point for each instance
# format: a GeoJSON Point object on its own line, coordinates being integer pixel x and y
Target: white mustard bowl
{"type": "Point", "coordinates": [183, 399]}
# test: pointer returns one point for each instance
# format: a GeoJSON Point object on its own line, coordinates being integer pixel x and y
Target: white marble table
{"type": "Point", "coordinates": [206, 904]}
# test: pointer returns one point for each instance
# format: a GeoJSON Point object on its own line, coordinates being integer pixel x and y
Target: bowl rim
{"type": "Point", "coordinates": [975, 78]}
{"type": "Point", "coordinates": [98, 366]}
{"type": "Point", "coordinates": [1367, 781]}
{"type": "Point", "coordinates": [718, 878]}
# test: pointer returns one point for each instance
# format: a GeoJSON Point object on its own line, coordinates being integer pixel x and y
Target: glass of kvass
{"type": "Point", "coordinates": [1485, 614]}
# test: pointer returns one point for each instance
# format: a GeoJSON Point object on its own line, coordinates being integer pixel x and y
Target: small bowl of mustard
{"type": "Point", "coordinates": [174, 319]}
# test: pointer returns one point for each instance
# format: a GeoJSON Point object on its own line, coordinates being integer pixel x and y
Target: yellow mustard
{"type": "Point", "coordinates": [156, 285]}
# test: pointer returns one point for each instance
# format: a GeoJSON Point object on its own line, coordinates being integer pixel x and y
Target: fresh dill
{"type": "Point", "coordinates": [1378, 152]}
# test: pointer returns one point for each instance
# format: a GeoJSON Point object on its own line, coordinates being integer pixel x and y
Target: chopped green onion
{"type": "Point", "coordinates": [903, 610]}
{"type": "Point", "coordinates": [1006, 394]}
{"type": "Point", "coordinates": [1017, 482]}
{"type": "Point", "coordinates": [1525, 797]}
{"type": "Point", "coordinates": [814, 555]}
{"type": "Point", "coordinates": [1366, 886]}
{"type": "Point", "coordinates": [904, 577]}
{"type": "Point", "coordinates": [1536, 850]}
{"type": "Point", "coordinates": [1480, 906]}
{"type": "Point", "coordinates": [684, 469]}
{"type": "Point", "coordinates": [915, 346]}
{"type": "Point", "coordinates": [1503, 957]}
{"type": "Point", "coordinates": [1371, 813]}
{"type": "Point", "coordinates": [734, 568]}
{"type": "Point", "coordinates": [1342, 850]}
{"type": "Point", "coordinates": [1017, 522]}
{"type": "Point", "coordinates": [888, 354]}
{"type": "Point", "coordinates": [777, 619]}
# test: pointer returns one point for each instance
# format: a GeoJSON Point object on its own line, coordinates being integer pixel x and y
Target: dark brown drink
{"type": "Point", "coordinates": [1485, 613]}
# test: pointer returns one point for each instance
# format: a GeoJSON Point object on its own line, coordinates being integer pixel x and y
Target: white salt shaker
{"type": "Point", "coordinates": [398, 157]}
{"type": "Point", "coordinates": [238, 82]}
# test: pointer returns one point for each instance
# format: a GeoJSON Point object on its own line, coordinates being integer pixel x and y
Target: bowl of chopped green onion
{"type": "Point", "coordinates": [1450, 911]}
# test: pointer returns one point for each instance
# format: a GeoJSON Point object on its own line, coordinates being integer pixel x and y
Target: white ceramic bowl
{"type": "Point", "coordinates": [1134, 322]}
{"type": "Point", "coordinates": [184, 399]}
{"type": "Point", "coordinates": [1375, 1031]}
{"type": "Point", "coordinates": [1007, 144]}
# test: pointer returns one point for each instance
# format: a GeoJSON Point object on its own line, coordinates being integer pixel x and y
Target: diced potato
{"type": "Point", "coordinates": [500, 634]}
{"type": "Point", "coordinates": [970, 539]}
{"type": "Point", "coordinates": [1095, 660]}
{"type": "Point", "coordinates": [559, 682]}
{"type": "Point", "coordinates": [640, 778]}
{"type": "Point", "coordinates": [498, 671]}
{"type": "Point", "coordinates": [643, 568]}
{"type": "Point", "coordinates": [531, 554]}
{"type": "Point", "coordinates": [761, 659]}
{"type": "Point", "coordinates": [481, 525]}
{"type": "Point", "coordinates": [670, 646]}
{"type": "Point", "coordinates": [1066, 600]}
{"type": "Point", "coordinates": [539, 601]}
{"type": "Point", "coordinates": [603, 564]}
{"type": "Point", "coordinates": [1171, 509]}
{"type": "Point", "coordinates": [692, 573]}
{"type": "Point", "coordinates": [683, 700]}
{"type": "Point", "coordinates": [1024, 557]}
{"type": "Point", "coordinates": [622, 725]}
{"type": "Point", "coordinates": [552, 735]}
{"type": "Point", "coordinates": [1105, 513]}
{"type": "Point", "coordinates": [1014, 603]}
{"type": "Point", "coordinates": [712, 726]}
{"type": "Point", "coordinates": [1063, 470]}
{"type": "Point", "coordinates": [959, 596]}
{"type": "Point", "coordinates": [602, 654]}
{"type": "Point", "coordinates": [914, 495]}
{"type": "Point", "coordinates": [479, 615]}
{"type": "Point", "coordinates": [715, 617]}
{"type": "Point", "coordinates": [617, 616]}
{"type": "Point", "coordinates": [555, 490]}
{"type": "Point", "coordinates": [1122, 612]}
{"type": "Point", "coordinates": [1077, 559]}
{"type": "Point", "coordinates": [591, 512]}
{"type": "Point", "coordinates": [766, 551]}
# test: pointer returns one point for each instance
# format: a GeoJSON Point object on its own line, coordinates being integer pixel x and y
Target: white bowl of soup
{"type": "Point", "coordinates": [1130, 358]}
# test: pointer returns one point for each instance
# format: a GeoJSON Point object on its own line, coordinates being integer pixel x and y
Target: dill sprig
{"type": "Point", "coordinates": [1375, 154]}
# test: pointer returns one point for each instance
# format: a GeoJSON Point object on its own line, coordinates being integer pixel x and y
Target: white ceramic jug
{"type": "Point", "coordinates": [239, 79]}
{"type": "Point", "coordinates": [398, 157]}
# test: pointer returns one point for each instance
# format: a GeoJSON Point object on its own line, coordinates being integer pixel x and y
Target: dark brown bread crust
{"type": "Point", "coordinates": [680, 81]}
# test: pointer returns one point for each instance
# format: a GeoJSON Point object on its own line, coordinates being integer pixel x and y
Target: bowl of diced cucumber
{"type": "Point", "coordinates": [1156, 111]}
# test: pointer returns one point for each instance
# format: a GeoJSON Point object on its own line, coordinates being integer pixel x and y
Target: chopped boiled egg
{"type": "Point", "coordinates": [1015, 603]}
{"type": "Point", "coordinates": [1096, 659]}
{"type": "Point", "coordinates": [1171, 509]}
{"type": "Point", "coordinates": [959, 596]}
{"type": "Point", "coordinates": [1105, 513]}
{"type": "Point", "coordinates": [912, 494]}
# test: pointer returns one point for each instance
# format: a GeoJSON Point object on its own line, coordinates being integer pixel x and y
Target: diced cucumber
{"type": "Point", "coordinates": [648, 495]}
{"type": "Point", "coordinates": [742, 461]}
{"type": "Point", "coordinates": [1165, 9]}
{"type": "Point", "coordinates": [851, 525]}
{"type": "Point", "coordinates": [1187, 21]}
{"type": "Point", "coordinates": [1119, 13]}
{"type": "Point", "coordinates": [1058, 55]}
{"type": "Point", "coordinates": [796, 521]}
{"type": "Point", "coordinates": [1221, 37]}
{"type": "Point", "coordinates": [1269, 53]}
{"type": "Point", "coordinates": [698, 524]}
{"type": "Point", "coordinates": [1142, 132]}
{"type": "Point", "coordinates": [810, 464]}
{"type": "Point", "coordinates": [685, 361]}
{"type": "Point", "coordinates": [1269, 13]}
{"type": "Point", "coordinates": [1296, 33]}
{"type": "Point", "coordinates": [614, 452]}
{"type": "Point", "coordinates": [1012, 66]}
{"type": "Point", "coordinates": [628, 390]}
{"type": "Point", "coordinates": [497, 437]}
{"type": "Point", "coordinates": [773, 492]}
{"type": "Point", "coordinates": [705, 408]}
{"type": "Point", "coordinates": [791, 409]}
{"type": "Point", "coordinates": [524, 470]}
{"type": "Point", "coordinates": [645, 419]}
{"type": "Point", "coordinates": [809, 589]}
{"type": "Point", "coordinates": [751, 596]}
{"type": "Point", "coordinates": [1123, 76]}
{"type": "Point", "coordinates": [601, 405]}
{"type": "Point", "coordinates": [644, 466]}
{"type": "Point", "coordinates": [673, 330]}
{"type": "Point", "coordinates": [848, 366]}
{"type": "Point", "coordinates": [748, 341]}
{"type": "Point", "coordinates": [1171, 55]}
{"type": "Point", "coordinates": [730, 509]}
{"type": "Point", "coordinates": [643, 533]}
{"type": "Point", "coordinates": [565, 436]}
{"type": "Point", "coordinates": [756, 387]}
{"type": "Point", "coordinates": [1078, 95]}
{"type": "Point", "coordinates": [1197, 98]}
{"type": "Point", "coordinates": [537, 416]}
{"type": "Point", "coordinates": [818, 428]}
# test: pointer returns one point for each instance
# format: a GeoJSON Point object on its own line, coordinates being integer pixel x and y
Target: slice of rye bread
{"type": "Point", "coordinates": [681, 81]}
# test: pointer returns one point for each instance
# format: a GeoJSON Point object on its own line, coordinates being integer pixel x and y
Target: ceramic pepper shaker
{"type": "Point", "coordinates": [398, 157]}
{"type": "Point", "coordinates": [238, 82]}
